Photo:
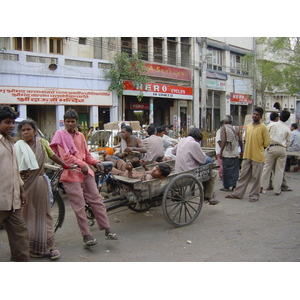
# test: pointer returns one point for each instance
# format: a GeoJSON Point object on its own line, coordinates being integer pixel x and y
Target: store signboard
{"type": "Point", "coordinates": [214, 84]}
{"type": "Point", "coordinates": [53, 96]}
{"type": "Point", "coordinates": [158, 90]}
{"type": "Point", "coordinates": [240, 99]}
{"type": "Point", "coordinates": [156, 70]}
{"type": "Point", "coordinates": [139, 106]}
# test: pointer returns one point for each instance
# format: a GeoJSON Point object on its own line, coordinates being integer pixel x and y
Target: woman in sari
{"type": "Point", "coordinates": [32, 152]}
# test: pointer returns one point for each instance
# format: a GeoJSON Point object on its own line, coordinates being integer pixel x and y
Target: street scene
{"type": "Point", "coordinates": [179, 149]}
{"type": "Point", "coordinates": [232, 231]}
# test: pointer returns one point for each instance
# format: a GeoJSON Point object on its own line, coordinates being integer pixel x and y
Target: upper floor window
{"type": "Point", "coordinates": [143, 47]}
{"type": "Point", "coordinates": [157, 50]}
{"type": "Point", "coordinates": [55, 45]}
{"type": "Point", "coordinates": [126, 45]}
{"type": "Point", "coordinates": [214, 59]}
{"type": "Point", "coordinates": [23, 43]}
{"type": "Point", "coordinates": [82, 41]}
{"type": "Point", "coordinates": [238, 64]}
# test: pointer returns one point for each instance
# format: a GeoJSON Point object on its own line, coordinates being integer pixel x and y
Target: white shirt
{"type": "Point", "coordinates": [279, 133]}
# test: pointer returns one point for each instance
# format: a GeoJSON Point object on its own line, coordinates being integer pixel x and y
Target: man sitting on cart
{"type": "Point", "coordinates": [189, 155]}
{"type": "Point", "coordinates": [130, 145]}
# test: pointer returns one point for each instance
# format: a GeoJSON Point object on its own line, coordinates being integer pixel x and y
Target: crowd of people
{"type": "Point", "coordinates": [25, 200]}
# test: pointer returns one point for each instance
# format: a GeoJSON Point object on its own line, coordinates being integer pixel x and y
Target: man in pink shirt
{"type": "Point", "coordinates": [71, 147]}
{"type": "Point", "coordinates": [189, 155]}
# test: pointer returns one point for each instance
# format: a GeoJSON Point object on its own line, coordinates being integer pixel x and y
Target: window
{"type": "Point", "coordinates": [126, 45]}
{"type": "Point", "coordinates": [157, 49]}
{"type": "Point", "coordinates": [238, 65]}
{"type": "Point", "coordinates": [171, 51]}
{"type": "Point", "coordinates": [143, 47]}
{"type": "Point", "coordinates": [23, 44]}
{"type": "Point", "coordinates": [82, 41]}
{"type": "Point", "coordinates": [185, 51]}
{"type": "Point", "coordinates": [214, 59]}
{"type": "Point", "coordinates": [55, 45]}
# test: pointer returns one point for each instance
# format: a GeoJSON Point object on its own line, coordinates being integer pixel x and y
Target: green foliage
{"type": "Point", "coordinates": [127, 67]}
{"type": "Point", "coordinates": [276, 65]}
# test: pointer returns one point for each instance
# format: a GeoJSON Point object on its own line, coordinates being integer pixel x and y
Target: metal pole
{"type": "Point", "coordinates": [203, 87]}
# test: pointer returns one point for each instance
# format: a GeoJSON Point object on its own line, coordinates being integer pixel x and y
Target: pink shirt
{"type": "Point", "coordinates": [189, 154]}
{"type": "Point", "coordinates": [81, 157]}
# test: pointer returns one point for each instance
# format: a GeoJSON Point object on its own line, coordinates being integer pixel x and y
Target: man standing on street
{"type": "Point", "coordinates": [12, 194]}
{"type": "Point", "coordinates": [279, 142]}
{"type": "Point", "coordinates": [257, 139]}
{"type": "Point", "coordinates": [231, 140]}
{"type": "Point", "coordinates": [295, 138]}
{"type": "Point", "coordinates": [80, 184]}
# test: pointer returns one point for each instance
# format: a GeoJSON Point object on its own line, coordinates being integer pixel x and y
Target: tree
{"type": "Point", "coordinates": [127, 67]}
{"type": "Point", "coordinates": [275, 66]}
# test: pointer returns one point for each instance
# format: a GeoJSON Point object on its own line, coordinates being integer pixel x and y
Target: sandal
{"type": "Point", "coordinates": [225, 190]}
{"type": "Point", "coordinates": [253, 200]}
{"type": "Point", "coordinates": [112, 236]}
{"type": "Point", "coordinates": [37, 255]}
{"type": "Point", "coordinates": [54, 254]}
{"type": "Point", "coordinates": [288, 190]}
{"type": "Point", "coordinates": [89, 241]}
{"type": "Point", "coordinates": [212, 201]}
{"type": "Point", "coordinates": [231, 196]}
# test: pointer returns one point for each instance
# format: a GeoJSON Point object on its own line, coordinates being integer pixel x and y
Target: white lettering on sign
{"type": "Point", "coordinates": [156, 88]}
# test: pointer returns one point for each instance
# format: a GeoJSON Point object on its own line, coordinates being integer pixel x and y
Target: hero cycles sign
{"type": "Point", "coordinates": [158, 90]}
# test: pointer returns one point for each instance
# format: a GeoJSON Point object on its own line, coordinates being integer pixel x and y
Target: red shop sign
{"type": "Point", "coordinates": [240, 99]}
{"type": "Point", "coordinates": [168, 72]}
{"type": "Point", "coordinates": [159, 88]}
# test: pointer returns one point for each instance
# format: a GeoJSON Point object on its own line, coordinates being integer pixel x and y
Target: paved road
{"type": "Point", "coordinates": [232, 231]}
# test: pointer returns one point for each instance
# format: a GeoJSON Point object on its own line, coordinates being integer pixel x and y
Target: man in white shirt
{"type": "Point", "coordinates": [280, 141]}
{"type": "Point", "coordinates": [154, 146]}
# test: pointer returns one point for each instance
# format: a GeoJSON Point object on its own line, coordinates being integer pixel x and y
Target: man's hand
{"type": "Point", "coordinates": [23, 197]}
{"type": "Point", "coordinates": [99, 167]}
{"type": "Point", "coordinates": [85, 169]}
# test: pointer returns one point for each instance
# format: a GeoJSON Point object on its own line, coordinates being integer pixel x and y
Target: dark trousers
{"type": "Point", "coordinates": [17, 234]}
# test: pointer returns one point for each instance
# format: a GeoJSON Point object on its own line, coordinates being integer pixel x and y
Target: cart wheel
{"type": "Point", "coordinates": [183, 200]}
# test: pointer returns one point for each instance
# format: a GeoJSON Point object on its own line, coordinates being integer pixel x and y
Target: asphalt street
{"type": "Point", "coordinates": [232, 231]}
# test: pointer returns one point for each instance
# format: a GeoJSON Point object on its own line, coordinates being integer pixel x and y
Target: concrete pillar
{"type": "Point", "coordinates": [178, 52]}
{"type": "Point", "coordinates": [225, 97]}
{"type": "Point", "coordinates": [113, 111]}
{"type": "Point", "coordinates": [23, 111]}
{"type": "Point", "coordinates": [94, 116]}
{"type": "Point", "coordinates": [47, 45]}
{"type": "Point", "coordinates": [151, 111]}
{"type": "Point", "coordinates": [134, 45]}
{"type": "Point", "coordinates": [60, 111]}
{"type": "Point", "coordinates": [150, 49]}
{"type": "Point", "coordinates": [165, 51]}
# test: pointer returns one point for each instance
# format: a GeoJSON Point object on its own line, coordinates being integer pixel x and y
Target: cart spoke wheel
{"type": "Point", "coordinates": [182, 200]}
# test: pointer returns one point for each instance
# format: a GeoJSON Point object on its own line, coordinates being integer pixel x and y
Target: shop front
{"type": "Point", "coordinates": [162, 104]}
{"type": "Point", "coordinates": [238, 107]}
{"type": "Point", "coordinates": [47, 106]}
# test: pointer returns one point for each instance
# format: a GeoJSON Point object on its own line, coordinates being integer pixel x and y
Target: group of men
{"type": "Point", "coordinates": [264, 154]}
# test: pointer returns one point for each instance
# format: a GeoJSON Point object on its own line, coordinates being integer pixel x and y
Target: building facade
{"type": "Point", "coordinates": [192, 81]}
